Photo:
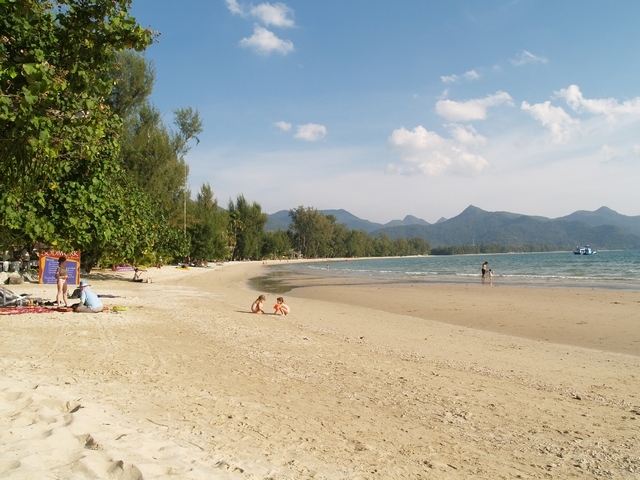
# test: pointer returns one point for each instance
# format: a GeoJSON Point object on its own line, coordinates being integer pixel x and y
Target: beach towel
{"type": "Point", "coordinates": [20, 310]}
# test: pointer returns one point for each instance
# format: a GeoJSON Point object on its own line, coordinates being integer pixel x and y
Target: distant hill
{"type": "Point", "coordinates": [606, 216]}
{"type": "Point", "coordinates": [281, 220]}
{"type": "Point", "coordinates": [602, 229]}
{"type": "Point", "coordinates": [408, 220]}
{"type": "Point", "coordinates": [278, 221]}
{"type": "Point", "coordinates": [476, 226]}
{"type": "Point", "coordinates": [351, 221]}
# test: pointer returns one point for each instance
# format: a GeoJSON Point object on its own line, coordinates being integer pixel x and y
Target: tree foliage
{"type": "Point", "coordinates": [208, 232]}
{"type": "Point", "coordinates": [276, 245]}
{"type": "Point", "coordinates": [311, 231]}
{"type": "Point", "coordinates": [61, 182]}
{"type": "Point", "coordinates": [315, 234]}
{"type": "Point", "coordinates": [246, 229]}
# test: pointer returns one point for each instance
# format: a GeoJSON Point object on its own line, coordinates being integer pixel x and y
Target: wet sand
{"type": "Point", "coordinates": [603, 319]}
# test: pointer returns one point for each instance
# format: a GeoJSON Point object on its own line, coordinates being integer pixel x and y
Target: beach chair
{"type": "Point", "coordinates": [8, 298]}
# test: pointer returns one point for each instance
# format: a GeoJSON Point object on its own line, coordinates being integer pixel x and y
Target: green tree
{"type": "Point", "coordinates": [149, 154]}
{"type": "Point", "coordinates": [246, 229]}
{"type": "Point", "coordinates": [189, 127]}
{"type": "Point", "coordinates": [382, 246]}
{"type": "Point", "coordinates": [339, 239]}
{"type": "Point", "coordinates": [401, 247]}
{"type": "Point", "coordinates": [419, 246]}
{"type": "Point", "coordinates": [133, 78]}
{"type": "Point", "coordinates": [208, 231]}
{"type": "Point", "coordinates": [359, 244]}
{"type": "Point", "coordinates": [276, 245]}
{"type": "Point", "coordinates": [312, 231]}
{"type": "Point", "coordinates": [153, 154]}
{"type": "Point", "coordinates": [61, 181]}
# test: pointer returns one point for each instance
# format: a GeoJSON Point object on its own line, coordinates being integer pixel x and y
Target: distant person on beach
{"type": "Point", "coordinates": [62, 277]}
{"type": "Point", "coordinates": [26, 259]}
{"type": "Point", "coordinates": [256, 307]}
{"type": "Point", "coordinates": [137, 275]}
{"type": "Point", "coordinates": [491, 277]}
{"type": "Point", "coordinates": [89, 301]}
{"type": "Point", "coordinates": [484, 270]}
{"type": "Point", "coordinates": [280, 307]}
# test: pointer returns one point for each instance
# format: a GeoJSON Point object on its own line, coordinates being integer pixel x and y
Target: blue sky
{"type": "Point", "coordinates": [410, 107]}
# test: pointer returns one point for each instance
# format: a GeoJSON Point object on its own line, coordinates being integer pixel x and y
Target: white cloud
{"type": "Point", "coordinates": [619, 154]}
{"type": "Point", "coordinates": [432, 154]}
{"type": "Point", "coordinates": [610, 154]}
{"type": "Point", "coordinates": [277, 15]}
{"type": "Point", "coordinates": [284, 126]}
{"type": "Point", "coordinates": [234, 7]}
{"type": "Point", "coordinates": [265, 42]}
{"type": "Point", "coordinates": [470, 75]}
{"type": "Point", "coordinates": [311, 132]}
{"type": "Point", "coordinates": [466, 135]}
{"type": "Point", "coordinates": [525, 57]}
{"type": "Point", "coordinates": [559, 122]}
{"type": "Point", "coordinates": [606, 106]}
{"type": "Point", "coordinates": [471, 109]}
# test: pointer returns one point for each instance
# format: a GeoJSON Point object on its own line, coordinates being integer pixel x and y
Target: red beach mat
{"type": "Point", "coordinates": [19, 310]}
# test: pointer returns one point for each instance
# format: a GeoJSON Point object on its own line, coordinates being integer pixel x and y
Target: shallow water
{"type": "Point", "coordinates": [607, 269]}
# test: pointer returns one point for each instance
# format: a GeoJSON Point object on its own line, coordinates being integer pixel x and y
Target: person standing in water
{"type": "Point", "coordinates": [485, 266]}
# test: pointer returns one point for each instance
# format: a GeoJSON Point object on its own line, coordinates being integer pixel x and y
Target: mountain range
{"type": "Point", "coordinates": [603, 228]}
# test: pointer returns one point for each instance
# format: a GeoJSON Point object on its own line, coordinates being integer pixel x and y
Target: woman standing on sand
{"type": "Point", "coordinates": [62, 275]}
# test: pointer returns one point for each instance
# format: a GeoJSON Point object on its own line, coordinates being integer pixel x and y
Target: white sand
{"type": "Point", "coordinates": [187, 384]}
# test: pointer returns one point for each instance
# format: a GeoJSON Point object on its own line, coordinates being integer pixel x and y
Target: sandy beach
{"type": "Point", "coordinates": [358, 382]}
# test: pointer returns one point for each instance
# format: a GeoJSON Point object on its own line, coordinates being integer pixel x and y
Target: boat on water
{"type": "Point", "coordinates": [586, 250]}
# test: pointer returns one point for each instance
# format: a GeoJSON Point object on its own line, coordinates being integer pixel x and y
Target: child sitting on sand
{"type": "Point", "coordinates": [256, 307]}
{"type": "Point", "coordinates": [137, 276]}
{"type": "Point", "coordinates": [281, 307]}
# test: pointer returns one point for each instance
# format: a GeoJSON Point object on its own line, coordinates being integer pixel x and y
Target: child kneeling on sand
{"type": "Point", "coordinates": [256, 307]}
{"type": "Point", "coordinates": [281, 307]}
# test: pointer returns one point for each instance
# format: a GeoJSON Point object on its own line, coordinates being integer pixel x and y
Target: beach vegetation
{"type": "Point", "coordinates": [154, 157]}
{"type": "Point", "coordinates": [208, 230]}
{"type": "Point", "coordinates": [61, 181]}
{"type": "Point", "coordinates": [246, 229]}
{"type": "Point", "coordinates": [490, 248]}
{"type": "Point", "coordinates": [311, 231]}
{"type": "Point", "coordinates": [276, 244]}
{"type": "Point", "coordinates": [315, 234]}
{"type": "Point", "coordinates": [87, 162]}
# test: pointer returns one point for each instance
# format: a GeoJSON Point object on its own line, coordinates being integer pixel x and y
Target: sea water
{"type": "Point", "coordinates": [606, 269]}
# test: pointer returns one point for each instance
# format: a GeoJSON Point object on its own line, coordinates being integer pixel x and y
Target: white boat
{"type": "Point", "coordinates": [586, 250]}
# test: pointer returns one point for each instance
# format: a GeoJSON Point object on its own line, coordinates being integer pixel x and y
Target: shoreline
{"type": "Point", "coordinates": [601, 319]}
{"type": "Point", "coordinates": [186, 383]}
{"type": "Point", "coordinates": [455, 270]}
